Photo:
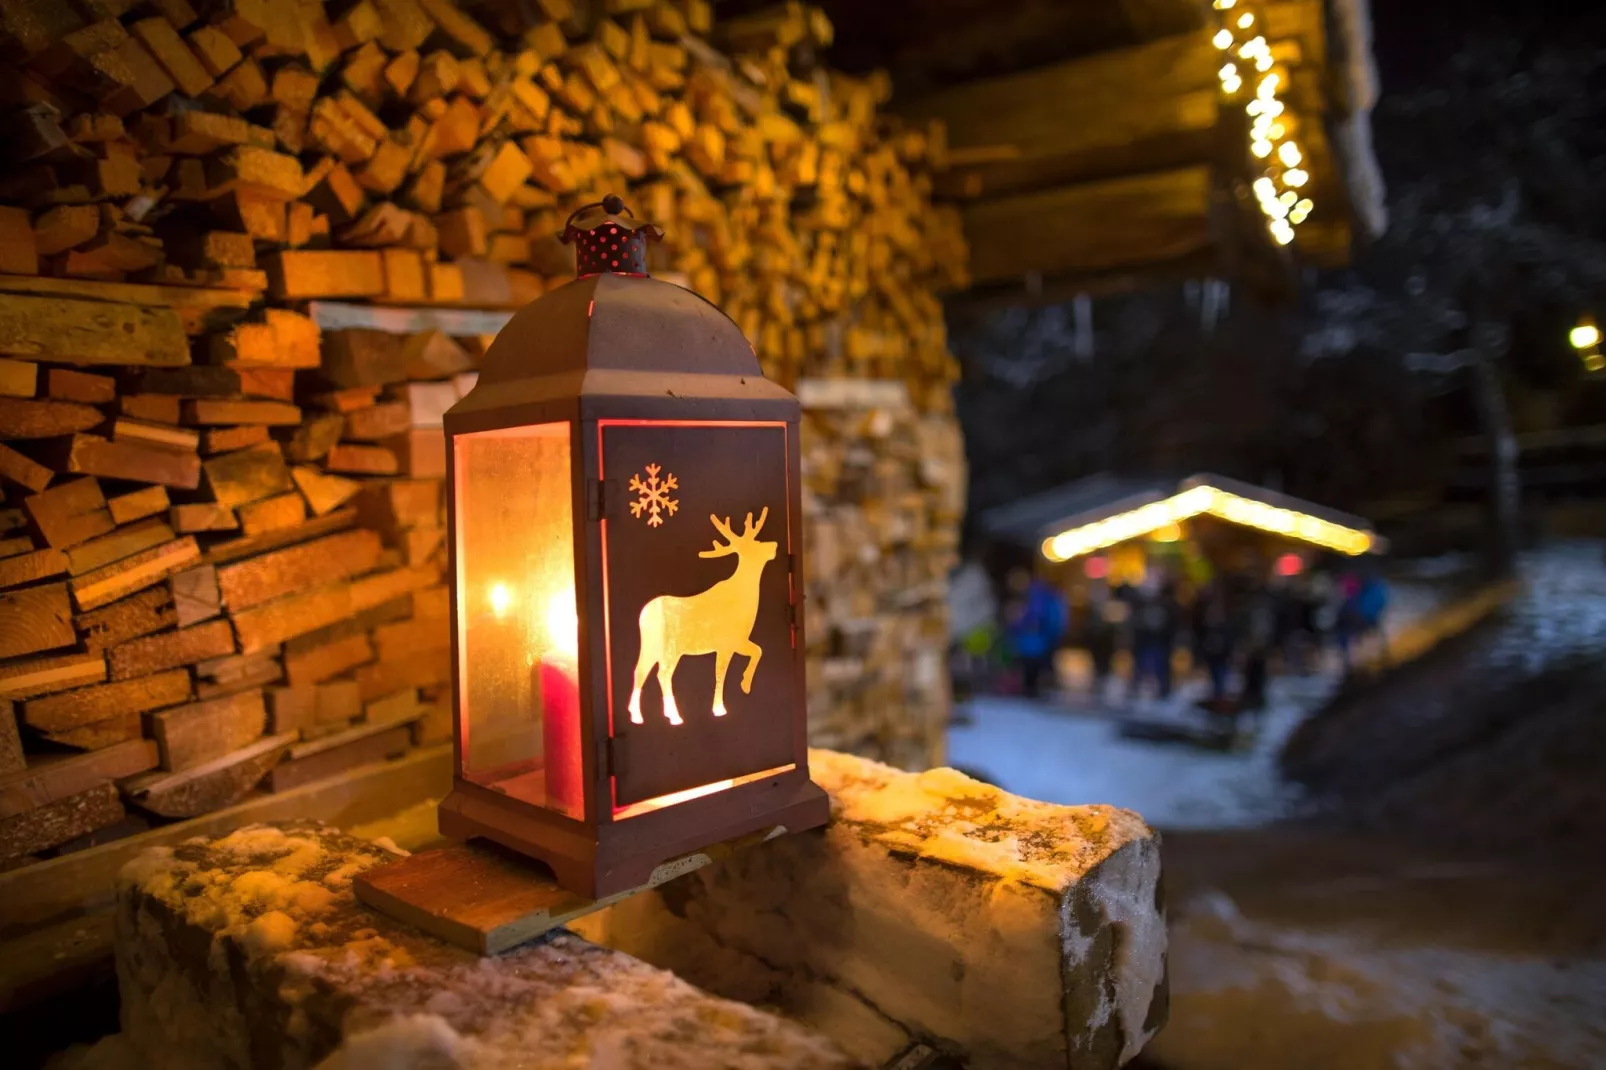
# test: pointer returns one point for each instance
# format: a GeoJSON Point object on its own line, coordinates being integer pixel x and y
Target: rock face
{"type": "Point", "coordinates": [250, 951]}
{"type": "Point", "coordinates": [934, 909]}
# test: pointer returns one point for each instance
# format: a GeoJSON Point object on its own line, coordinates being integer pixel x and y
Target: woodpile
{"type": "Point", "coordinates": [250, 251]}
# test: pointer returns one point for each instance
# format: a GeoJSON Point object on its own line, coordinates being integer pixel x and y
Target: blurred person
{"type": "Point", "coordinates": [1106, 612]}
{"type": "Point", "coordinates": [1035, 626]}
{"type": "Point", "coordinates": [1213, 638]}
{"type": "Point", "coordinates": [1155, 620]}
{"type": "Point", "coordinates": [1259, 630]}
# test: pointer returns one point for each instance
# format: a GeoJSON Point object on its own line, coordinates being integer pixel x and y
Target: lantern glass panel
{"type": "Point", "coordinates": [517, 618]}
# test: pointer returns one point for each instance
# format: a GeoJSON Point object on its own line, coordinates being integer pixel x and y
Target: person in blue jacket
{"type": "Point", "coordinates": [1037, 619]}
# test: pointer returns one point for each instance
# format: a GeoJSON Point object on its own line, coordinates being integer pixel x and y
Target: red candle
{"type": "Point", "coordinates": [558, 692]}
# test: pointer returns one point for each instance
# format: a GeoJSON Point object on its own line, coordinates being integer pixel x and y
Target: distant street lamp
{"type": "Point", "coordinates": [1586, 339]}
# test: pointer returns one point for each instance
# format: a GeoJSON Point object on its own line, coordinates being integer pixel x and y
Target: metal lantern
{"type": "Point", "coordinates": [625, 531]}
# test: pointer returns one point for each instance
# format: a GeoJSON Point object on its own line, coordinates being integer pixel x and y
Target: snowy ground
{"type": "Point", "coordinates": [1072, 751]}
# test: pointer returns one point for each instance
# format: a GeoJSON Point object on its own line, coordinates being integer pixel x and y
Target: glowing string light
{"type": "Point", "coordinates": [1164, 516]}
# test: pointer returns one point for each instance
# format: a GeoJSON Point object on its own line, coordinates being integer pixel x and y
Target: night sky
{"type": "Point", "coordinates": [1414, 38]}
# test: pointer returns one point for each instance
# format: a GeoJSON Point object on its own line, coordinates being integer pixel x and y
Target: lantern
{"type": "Point", "coordinates": [625, 530]}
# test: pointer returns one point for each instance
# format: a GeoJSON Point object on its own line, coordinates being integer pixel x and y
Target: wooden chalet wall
{"type": "Point", "coordinates": [251, 250]}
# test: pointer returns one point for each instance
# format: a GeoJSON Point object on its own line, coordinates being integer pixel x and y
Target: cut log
{"type": "Point", "coordinates": [197, 733]}
{"type": "Point", "coordinates": [31, 567]}
{"type": "Point", "coordinates": [203, 516]}
{"type": "Point", "coordinates": [97, 735]}
{"type": "Point", "coordinates": [42, 676]}
{"type": "Point", "coordinates": [73, 709]}
{"type": "Point", "coordinates": [273, 514]}
{"type": "Point", "coordinates": [34, 619]}
{"type": "Point", "coordinates": [138, 504]}
{"type": "Point", "coordinates": [93, 455]}
{"type": "Point", "coordinates": [195, 595]}
{"type": "Point", "coordinates": [272, 575]}
{"type": "Point", "coordinates": [154, 653]}
{"type": "Point", "coordinates": [316, 664]}
{"type": "Point", "coordinates": [107, 585]}
{"type": "Point", "coordinates": [247, 475]}
{"type": "Point", "coordinates": [91, 332]}
{"type": "Point", "coordinates": [52, 778]}
{"type": "Point", "coordinates": [18, 378]}
{"type": "Point", "coordinates": [324, 493]}
{"type": "Point", "coordinates": [212, 785]}
{"type": "Point", "coordinates": [68, 385]}
{"type": "Point", "coordinates": [362, 460]}
{"type": "Point", "coordinates": [124, 542]}
{"type": "Point", "coordinates": [297, 275]}
{"type": "Point", "coordinates": [217, 411]}
{"type": "Point", "coordinates": [23, 471]}
{"type": "Point", "coordinates": [267, 625]}
{"type": "Point", "coordinates": [283, 339]}
{"type": "Point", "coordinates": [70, 513]}
{"type": "Point", "coordinates": [44, 419]}
{"type": "Point", "coordinates": [237, 549]}
{"type": "Point", "coordinates": [55, 823]}
{"type": "Point", "coordinates": [139, 614]}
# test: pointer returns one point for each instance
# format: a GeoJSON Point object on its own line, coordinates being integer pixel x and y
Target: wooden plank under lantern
{"type": "Point", "coordinates": [625, 528]}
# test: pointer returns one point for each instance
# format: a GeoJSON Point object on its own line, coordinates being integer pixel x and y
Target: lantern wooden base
{"type": "Point", "coordinates": [486, 899]}
{"type": "Point", "coordinates": [597, 861]}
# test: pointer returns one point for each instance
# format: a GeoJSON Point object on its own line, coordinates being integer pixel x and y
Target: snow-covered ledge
{"type": "Point", "coordinates": [934, 910]}
{"type": "Point", "coordinates": [251, 951]}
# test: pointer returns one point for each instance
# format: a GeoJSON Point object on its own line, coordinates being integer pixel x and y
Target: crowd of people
{"type": "Point", "coordinates": [1235, 627]}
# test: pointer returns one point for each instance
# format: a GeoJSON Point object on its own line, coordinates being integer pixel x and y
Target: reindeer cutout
{"type": "Point", "coordinates": [718, 621]}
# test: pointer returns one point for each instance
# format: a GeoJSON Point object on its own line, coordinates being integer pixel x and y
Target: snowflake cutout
{"type": "Point", "coordinates": [652, 496]}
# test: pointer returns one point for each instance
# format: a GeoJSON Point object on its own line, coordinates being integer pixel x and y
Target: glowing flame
{"type": "Point", "coordinates": [501, 600]}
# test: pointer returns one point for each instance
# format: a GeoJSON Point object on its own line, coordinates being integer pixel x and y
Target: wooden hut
{"type": "Point", "coordinates": [1101, 144]}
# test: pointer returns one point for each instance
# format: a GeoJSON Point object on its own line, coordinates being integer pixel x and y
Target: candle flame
{"type": "Point", "coordinates": [501, 599]}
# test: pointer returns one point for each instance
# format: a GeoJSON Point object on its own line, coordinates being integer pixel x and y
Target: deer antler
{"type": "Point", "coordinates": [754, 529]}
{"type": "Point", "coordinates": [725, 530]}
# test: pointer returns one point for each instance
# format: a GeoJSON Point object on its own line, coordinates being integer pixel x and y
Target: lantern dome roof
{"type": "Point", "coordinates": [615, 336]}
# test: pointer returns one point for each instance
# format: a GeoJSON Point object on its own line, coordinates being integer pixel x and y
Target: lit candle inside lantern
{"type": "Point", "coordinates": [556, 681]}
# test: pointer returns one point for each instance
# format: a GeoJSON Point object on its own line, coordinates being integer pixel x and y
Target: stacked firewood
{"type": "Point", "coordinates": [222, 542]}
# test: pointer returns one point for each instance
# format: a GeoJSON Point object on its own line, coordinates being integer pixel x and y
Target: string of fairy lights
{"type": "Point", "coordinates": [1248, 65]}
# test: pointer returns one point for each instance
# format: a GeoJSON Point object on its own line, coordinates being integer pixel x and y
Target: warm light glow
{"type": "Point", "coordinates": [1585, 336]}
{"type": "Point", "coordinates": [1168, 533]}
{"type": "Point", "coordinates": [1282, 231]}
{"type": "Point", "coordinates": [501, 600]}
{"type": "Point", "coordinates": [1295, 178]}
{"type": "Point", "coordinates": [1223, 39]}
{"type": "Point", "coordinates": [661, 801]}
{"type": "Point", "coordinates": [1156, 516]}
{"type": "Point", "coordinates": [1261, 149]}
{"type": "Point", "coordinates": [1290, 154]}
{"type": "Point", "coordinates": [563, 625]}
{"type": "Point", "coordinates": [1594, 362]}
{"type": "Point", "coordinates": [1246, 20]}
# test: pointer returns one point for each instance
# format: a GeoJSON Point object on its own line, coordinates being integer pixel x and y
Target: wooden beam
{"type": "Point", "coordinates": [1100, 226]}
{"type": "Point", "coordinates": [1136, 109]}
